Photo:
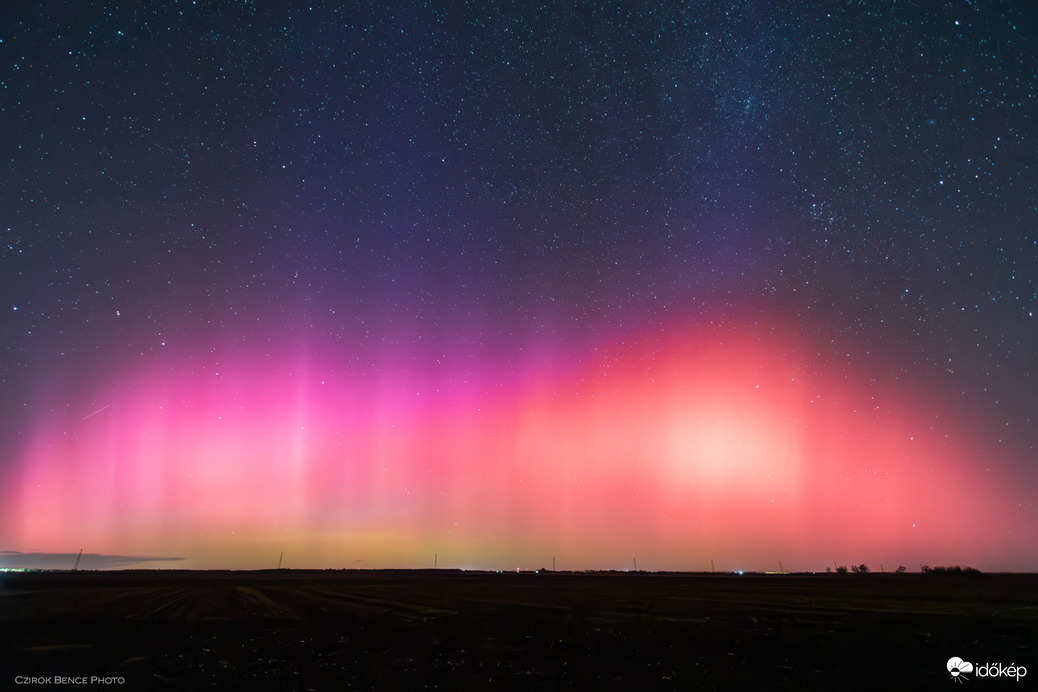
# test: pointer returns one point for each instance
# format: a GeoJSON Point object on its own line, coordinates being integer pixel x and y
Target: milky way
{"type": "Point", "coordinates": [497, 283]}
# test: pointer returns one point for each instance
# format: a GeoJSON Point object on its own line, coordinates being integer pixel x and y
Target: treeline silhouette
{"type": "Point", "coordinates": [953, 569]}
{"type": "Point", "coordinates": [925, 569]}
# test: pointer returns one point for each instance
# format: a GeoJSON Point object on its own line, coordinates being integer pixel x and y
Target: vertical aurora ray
{"type": "Point", "coordinates": [715, 446]}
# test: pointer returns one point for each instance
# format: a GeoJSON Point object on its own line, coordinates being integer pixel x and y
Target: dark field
{"type": "Point", "coordinates": [299, 630]}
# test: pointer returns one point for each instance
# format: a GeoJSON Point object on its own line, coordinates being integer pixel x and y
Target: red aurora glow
{"type": "Point", "coordinates": [713, 447]}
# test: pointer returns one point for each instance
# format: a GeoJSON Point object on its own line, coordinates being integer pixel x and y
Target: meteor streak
{"type": "Point", "coordinates": [91, 415]}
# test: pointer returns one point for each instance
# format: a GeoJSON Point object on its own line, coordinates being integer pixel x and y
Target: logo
{"type": "Point", "coordinates": [958, 668]}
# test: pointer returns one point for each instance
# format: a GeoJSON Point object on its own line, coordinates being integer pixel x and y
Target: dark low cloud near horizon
{"type": "Point", "coordinates": [13, 559]}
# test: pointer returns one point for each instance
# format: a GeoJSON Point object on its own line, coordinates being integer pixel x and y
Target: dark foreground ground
{"type": "Point", "coordinates": [410, 630]}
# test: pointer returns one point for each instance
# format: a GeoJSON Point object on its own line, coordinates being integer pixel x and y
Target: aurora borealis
{"type": "Point", "coordinates": [503, 282]}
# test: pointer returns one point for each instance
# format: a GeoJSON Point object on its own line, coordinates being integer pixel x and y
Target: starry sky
{"type": "Point", "coordinates": [484, 284]}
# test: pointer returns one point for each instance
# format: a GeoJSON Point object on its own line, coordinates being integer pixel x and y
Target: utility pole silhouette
{"type": "Point", "coordinates": [635, 564]}
{"type": "Point", "coordinates": [78, 558]}
{"type": "Point", "coordinates": [552, 563]}
{"type": "Point", "coordinates": [280, 559]}
{"type": "Point", "coordinates": [436, 560]}
{"type": "Point", "coordinates": [712, 566]}
{"type": "Point", "coordinates": [780, 566]}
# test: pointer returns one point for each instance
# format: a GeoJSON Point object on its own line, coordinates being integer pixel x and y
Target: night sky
{"type": "Point", "coordinates": [488, 283]}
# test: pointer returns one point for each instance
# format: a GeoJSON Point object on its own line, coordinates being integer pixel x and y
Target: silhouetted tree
{"type": "Point", "coordinates": [862, 569]}
{"type": "Point", "coordinates": [900, 569]}
{"type": "Point", "coordinates": [842, 569]}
